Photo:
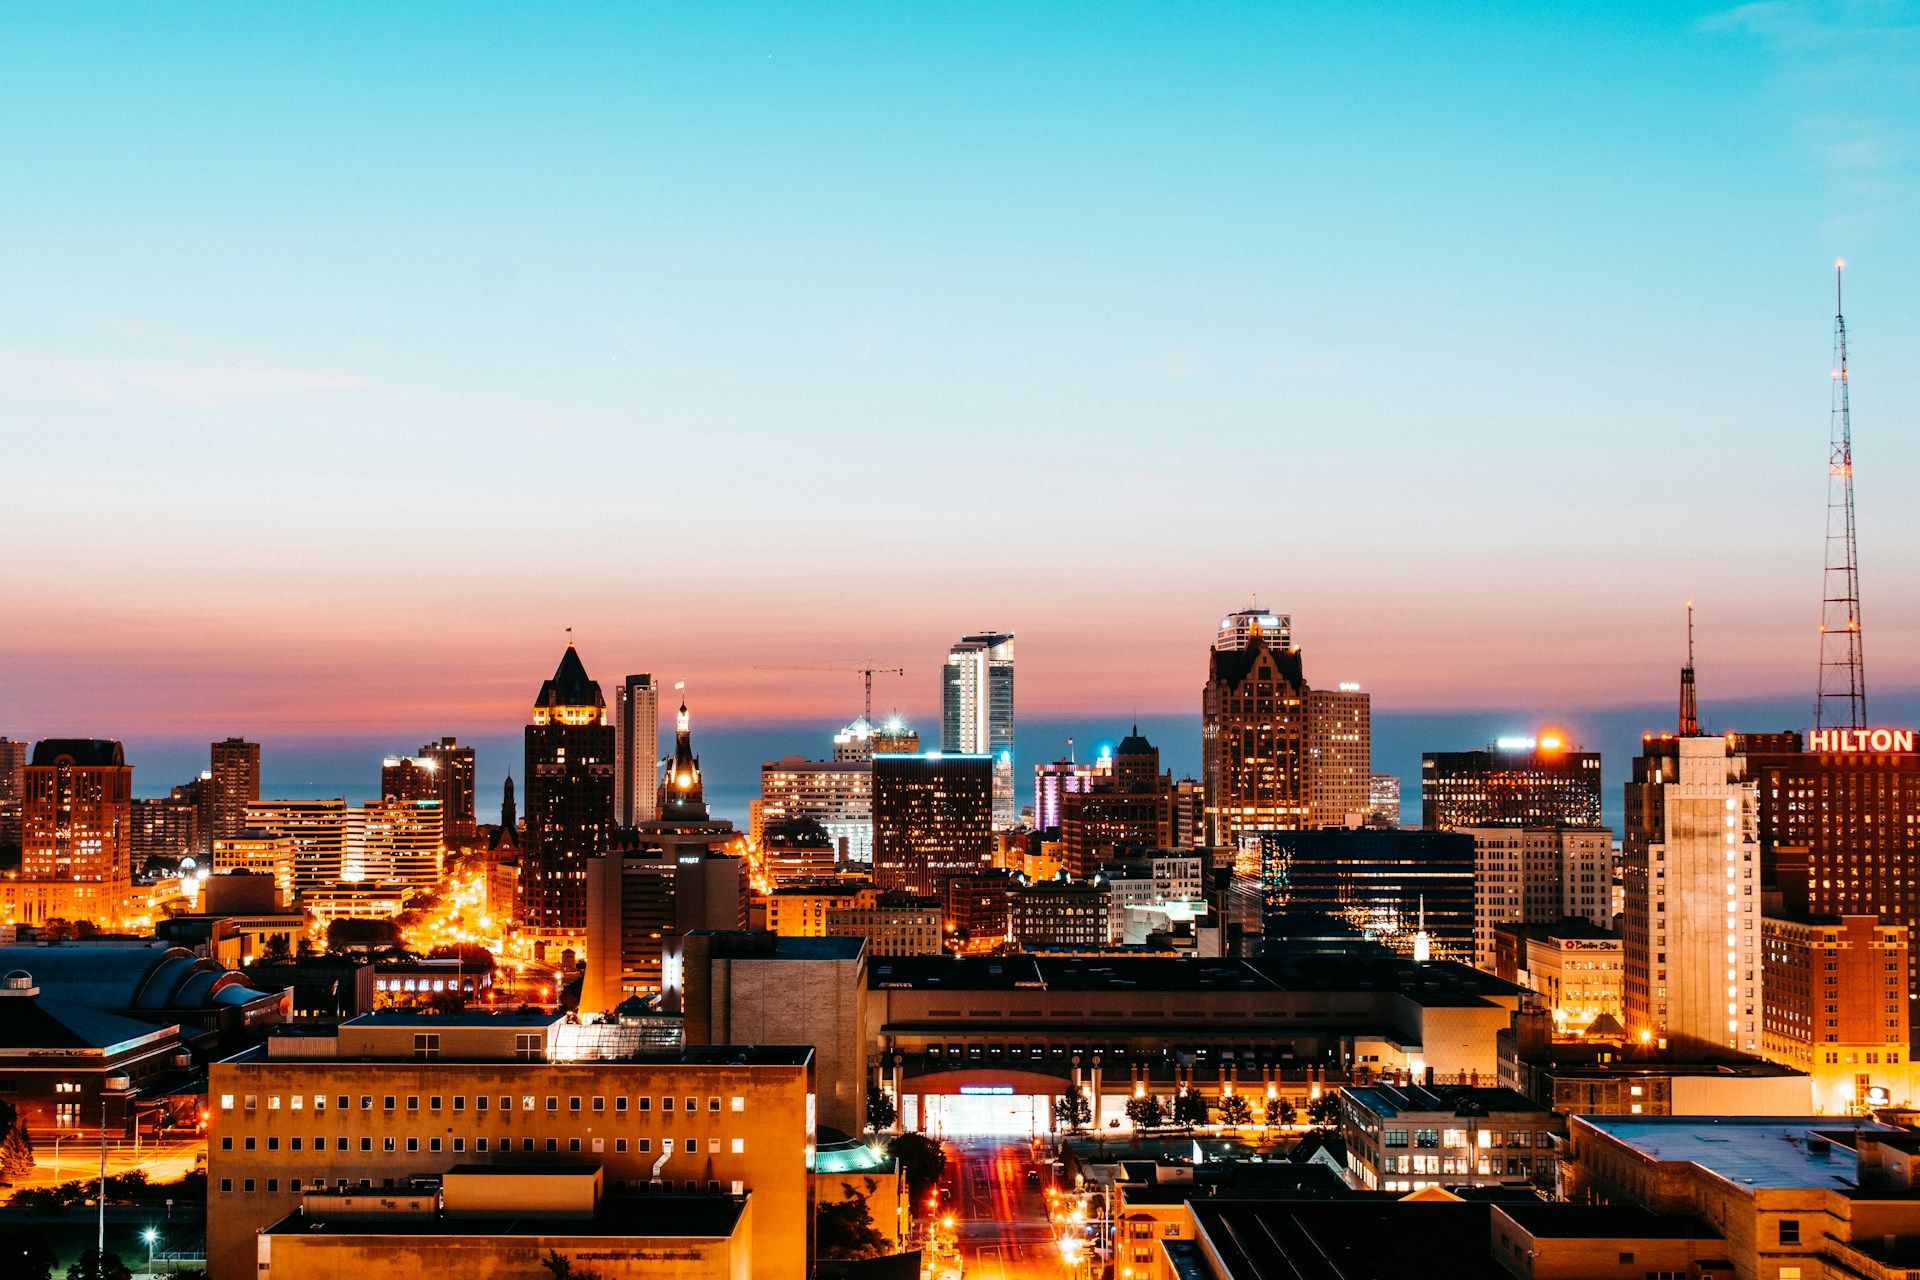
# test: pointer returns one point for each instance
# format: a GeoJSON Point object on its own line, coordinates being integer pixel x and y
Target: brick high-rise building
{"type": "Point", "coordinates": [235, 777]}
{"type": "Point", "coordinates": [1130, 804]}
{"type": "Point", "coordinates": [409, 778]}
{"type": "Point", "coordinates": [1840, 823]}
{"type": "Point", "coordinates": [1836, 1008]}
{"type": "Point", "coordinates": [1254, 742]}
{"type": "Point", "coordinates": [568, 798]}
{"type": "Point", "coordinates": [76, 832]}
{"type": "Point", "coordinates": [455, 765]}
{"type": "Point", "coordinates": [932, 818]}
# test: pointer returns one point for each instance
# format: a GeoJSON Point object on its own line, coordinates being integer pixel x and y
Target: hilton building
{"type": "Point", "coordinates": [1840, 823]}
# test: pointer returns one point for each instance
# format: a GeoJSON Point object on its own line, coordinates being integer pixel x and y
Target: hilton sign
{"type": "Point", "coordinates": [1836, 741]}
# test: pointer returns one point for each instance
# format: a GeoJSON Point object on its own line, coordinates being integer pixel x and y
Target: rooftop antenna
{"type": "Point", "coordinates": [1689, 708]}
{"type": "Point", "coordinates": [1842, 698]}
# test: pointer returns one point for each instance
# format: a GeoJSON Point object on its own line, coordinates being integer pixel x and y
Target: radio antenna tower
{"type": "Point", "coordinates": [1842, 701]}
{"type": "Point", "coordinates": [1689, 704]}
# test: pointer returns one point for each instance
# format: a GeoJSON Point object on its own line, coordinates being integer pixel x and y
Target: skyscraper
{"type": "Point", "coordinates": [455, 764]}
{"type": "Point", "coordinates": [837, 794]}
{"type": "Point", "coordinates": [409, 778]}
{"type": "Point", "coordinates": [1691, 862]}
{"type": "Point", "coordinates": [636, 722]}
{"type": "Point", "coordinates": [683, 797]}
{"type": "Point", "coordinates": [1238, 629]}
{"type": "Point", "coordinates": [569, 798]}
{"type": "Point", "coordinates": [1538, 875]}
{"type": "Point", "coordinates": [1339, 756]}
{"type": "Point", "coordinates": [236, 784]}
{"type": "Point", "coordinates": [76, 829]}
{"type": "Point", "coordinates": [13, 770]}
{"type": "Point", "coordinates": [317, 830]}
{"type": "Point", "coordinates": [976, 710]}
{"type": "Point", "coordinates": [1129, 806]}
{"type": "Point", "coordinates": [932, 819]}
{"type": "Point", "coordinates": [1254, 739]}
{"type": "Point", "coordinates": [1517, 782]}
{"type": "Point", "coordinates": [1840, 823]}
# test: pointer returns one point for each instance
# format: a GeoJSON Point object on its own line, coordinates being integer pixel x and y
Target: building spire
{"type": "Point", "coordinates": [1842, 697]}
{"type": "Point", "coordinates": [1689, 705]}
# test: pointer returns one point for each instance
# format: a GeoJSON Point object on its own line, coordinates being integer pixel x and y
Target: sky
{"type": "Point", "coordinates": [350, 354]}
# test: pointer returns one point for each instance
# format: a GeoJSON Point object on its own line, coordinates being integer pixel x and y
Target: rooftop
{"type": "Point", "coordinates": [1430, 984]}
{"type": "Point", "coordinates": [1749, 1151]}
{"type": "Point", "coordinates": [1603, 1222]}
{"type": "Point", "coordinates": [654, 1217]}
{"type": "Point", "coordinates": [1455, 1099]}
{"type": "Point", "coordinates": [528, 1017]}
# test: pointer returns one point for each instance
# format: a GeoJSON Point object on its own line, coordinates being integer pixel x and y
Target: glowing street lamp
{"type": "Point", "coordinates": [151, 1236]}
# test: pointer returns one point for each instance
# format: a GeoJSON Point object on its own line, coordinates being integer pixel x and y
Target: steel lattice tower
{"type": "Point", "coordinates": [1842, 701]}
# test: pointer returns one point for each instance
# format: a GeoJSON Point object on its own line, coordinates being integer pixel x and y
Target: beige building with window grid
{"type": "Point", "coordinates": [400, 1095]}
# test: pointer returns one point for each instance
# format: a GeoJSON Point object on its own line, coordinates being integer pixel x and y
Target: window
{"type": "Point", "coordinates": [643, 1104]}
{"type": "Point", "coordinates": [226, 1144]}
{"type": "Point", "coordinates": [693, 1104]}
{"type": "Point", "coordinates": [226, 1184]}
{"type": "Point", "coordinates": [739, 1103]}
{"type": "Point", "coordinates": [413, 1102]}
{"type": "Point", "coordinates": [426, 1044]}
{"type": "Point", "coordinates": [666, 1104]}
{"type": "Point", "coordinates": [713, 1105]}
{"type": "Point", "coordinates": [527, 1047]}
{"type": "Point", "coordinates": [249, 1144]}
{"type": "Point", "coordinates": [388, 1102]}
{"type": "Point", "coordinates": [599, 1104]}
{"type": "Point", "coordinates": [1789, 1231]}
{"type": "Point", "coordinates": [619, 1105]}
{"type": "Point", "coordinates": [366, 1102]}
{"type": "Point", "coordinates": [459, 1102]}
{"type": "Point", "coordinates": [433, 1103]}
{"type": "Point", "coordinates": [573, 1104]}
{"type": "Point", "coordinates": [739, 1145]}
{"type": "Point", "coordinates": [553, 1102]}
{"type": "Point", "coordinates": [526, 1103]}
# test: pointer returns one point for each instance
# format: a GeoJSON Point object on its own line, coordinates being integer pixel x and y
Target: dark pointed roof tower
{"type": "Point", "coordinates": [571, 696]}
{"type": "Point", "coordinates": [681, 797]}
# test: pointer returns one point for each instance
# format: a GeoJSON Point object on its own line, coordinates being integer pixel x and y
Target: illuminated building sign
{"type": "Point", "coordinates": [994, 1090]}
{"type": "Point", "coordinates": [1852, 740]}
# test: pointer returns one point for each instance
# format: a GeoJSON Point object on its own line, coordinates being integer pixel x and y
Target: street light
{"type": "Point", "coordinates": [151, 1236]}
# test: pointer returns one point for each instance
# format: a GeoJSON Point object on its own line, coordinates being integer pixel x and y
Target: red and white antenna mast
{"type": "Point", "coordinates": [1842, 701]}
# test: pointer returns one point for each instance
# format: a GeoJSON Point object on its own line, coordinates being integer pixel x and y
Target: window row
{"type": "Point", "coordinates": [528, 1102]}
{"type": "Point", "coordinates": [317, 1144]}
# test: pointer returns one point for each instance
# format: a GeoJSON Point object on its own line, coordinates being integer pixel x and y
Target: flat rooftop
{"type": "Point", "coordinates": [1603, 1222]}
{"type": "Point", "coordinates": [699, 1055]}
{"type": "Point", "coordinates": [653, 1217]}
{"type": "Point", "coordinates": [1458, 1100]}
{"type": "Point", "coordinates": [735, 945]}
{"type": "Point", "coordinates": [1750, 1151]}
{"type": "Point", "coordinates": [521, 1018]}
{"type": "Point", "coordinates": [1431, 984]}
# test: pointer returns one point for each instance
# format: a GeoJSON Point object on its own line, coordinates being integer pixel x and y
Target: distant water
{"type": "Point", "coordinates": [731, 753]}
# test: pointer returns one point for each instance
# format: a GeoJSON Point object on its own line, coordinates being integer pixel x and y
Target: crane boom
{"type": "Point", "coordinates": [866, 670]}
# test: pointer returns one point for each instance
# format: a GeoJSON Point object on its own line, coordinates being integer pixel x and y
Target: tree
{"type": "Point", "coordinates": [471, 955]}
{"type": "Point", "coordinates": [1189, 1108]}
{"type": "Point", "coordinates": [16, 1148]}
{"type": "Point", "coordinates": [1235, 1111]}
{"type": "Point", "coordinates": [922, 1161]}
{"type": "Point", "coordinates": [277, 948]}
{"type": "Point", "coordinates": [562, 1268]}
{"type": "Point", "coordinates": [1146, 1112]}
{"type": "Point", "coordinates": [1072, 1111]}
{"type": "Point", "coordinates": [25, 1253]}
{"type": "Point", "coordinates": [94, 1265]}
{"type": "Point", "coordinates": [1280, 1112]}
{"type": "Point", "coordinates": [1324, 1111]}
{"type": "Point", "coordinates": [345, 933]}
{"type": "Point", "coordinates": [881, 1113]}
{"type": "Point", "coordinates": [844, 1228]}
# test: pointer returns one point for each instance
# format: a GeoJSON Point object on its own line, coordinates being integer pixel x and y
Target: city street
{"type": "Point", "coordinates": [161, 1159]}
{"type": "Point", "coordinates": [1001, 1220]}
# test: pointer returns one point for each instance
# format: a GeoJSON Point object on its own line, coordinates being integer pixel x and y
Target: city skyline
{"type": "Point", "coordinates": [729, 277]}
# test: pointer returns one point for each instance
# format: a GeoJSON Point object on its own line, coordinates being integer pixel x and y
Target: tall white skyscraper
{"type": "Point", "coordinates": [976, 710]}
{"type": "Point", "coordinates": [1692, 870]}
{"type": "Point", "coordinates": [636, 750]}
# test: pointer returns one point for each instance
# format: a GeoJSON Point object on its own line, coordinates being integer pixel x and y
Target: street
{"type": "Point", "coordinates": [1001, 1220]}
{"type": "Point", "coordinates": [162, 1159]}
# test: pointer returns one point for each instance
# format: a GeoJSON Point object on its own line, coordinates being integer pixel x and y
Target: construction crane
{"type": "Point", "coordinates": [863, 668]}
